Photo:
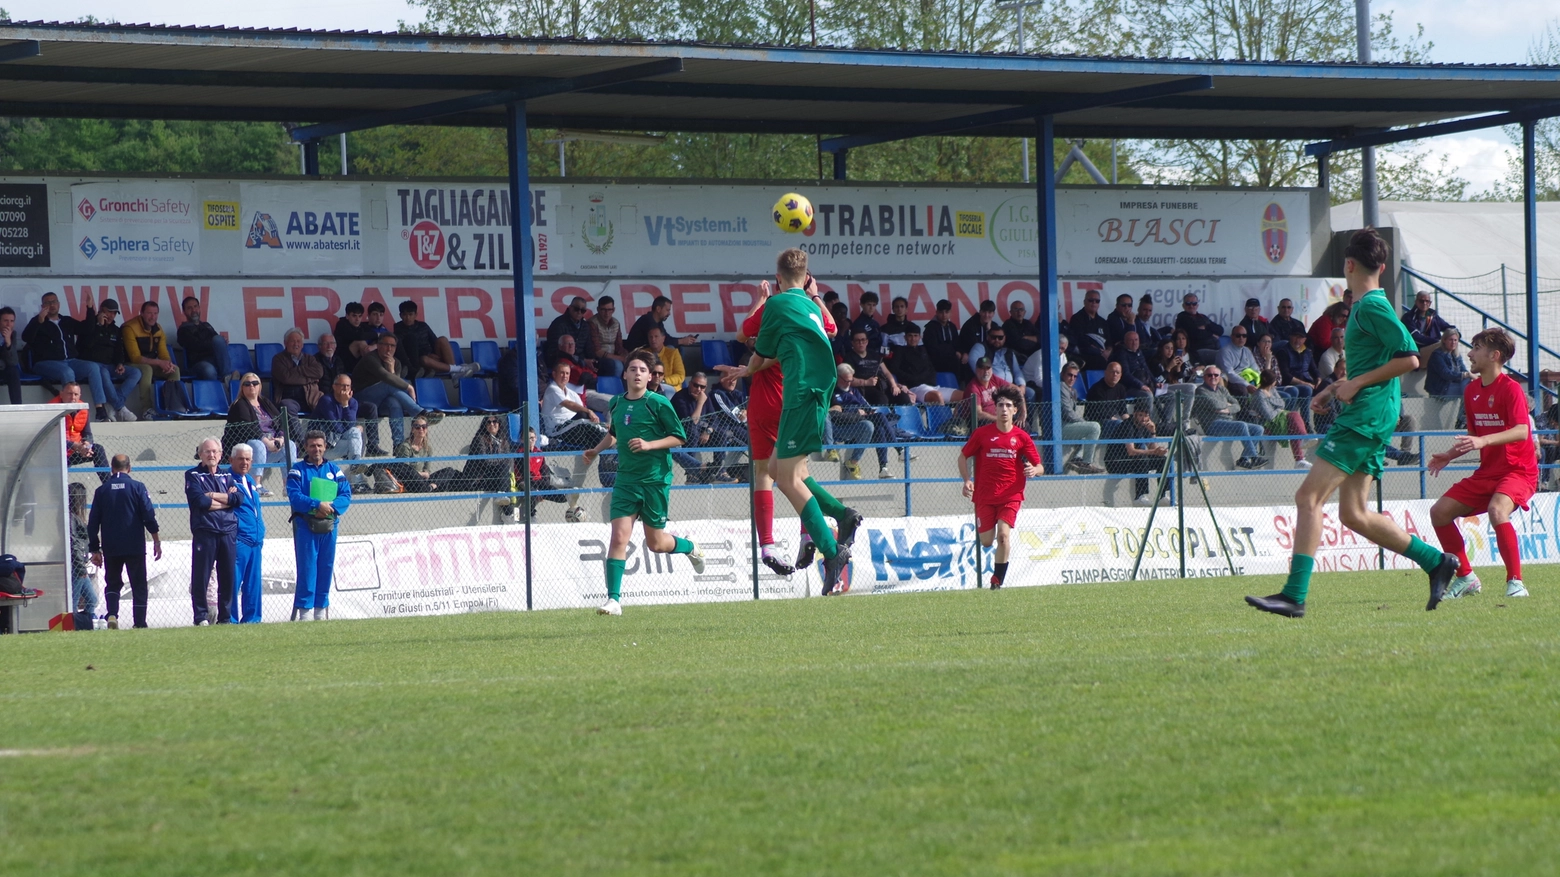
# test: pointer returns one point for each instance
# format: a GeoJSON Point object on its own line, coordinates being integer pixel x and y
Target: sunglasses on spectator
{"type": "Point", "coordinates": [1212, 375]}
{"type": "Point", "coordinates": [419, 426]}
{"type": "Point", "coordinates": [701, 386]}
{"type": "Point", "coordinates": [250, 384]}
{"type": "Point", "coordinates": [1237, 334]}
{"type": "Point", "coordinates": [1091, 301]}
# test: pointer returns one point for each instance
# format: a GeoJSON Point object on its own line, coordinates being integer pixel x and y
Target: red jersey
{"type": "Point", "coordinates": [999, 462]}
{"type": "Point", "coordinates": [1496, 408]}
{"type": "Point", "coordinates": [768, 386]}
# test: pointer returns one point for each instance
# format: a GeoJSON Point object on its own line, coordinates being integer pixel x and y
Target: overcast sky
{"type": "Point", "coordinates": [1492, 31]}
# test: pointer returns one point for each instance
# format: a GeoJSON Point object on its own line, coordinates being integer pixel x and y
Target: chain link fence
{"type": "Point", "coordinates": [1486, 300]}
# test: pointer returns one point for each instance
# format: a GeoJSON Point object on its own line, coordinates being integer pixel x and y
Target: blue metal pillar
{"type": "Point", "coordinates": [1530, 254]}
{"type": "Point", "coordinates": [311, 158]}
{"type": "Point", "coordinates": [839, 164]}
{"type": "Point", "coordinates": [1050, 391]}
{"type": "Point", "coordinates": [525, 296]}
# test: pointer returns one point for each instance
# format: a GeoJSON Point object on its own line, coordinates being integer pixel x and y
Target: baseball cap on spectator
{"type": "Point", "coordinates": [983, 362]}
{"type": "Point", "coordinates": [109, 304]}
{"type": "Point", "coordinates": [1253, 303]}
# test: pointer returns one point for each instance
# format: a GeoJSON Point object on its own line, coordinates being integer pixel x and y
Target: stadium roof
{"type": "Point", "coordinates": [145, 71]}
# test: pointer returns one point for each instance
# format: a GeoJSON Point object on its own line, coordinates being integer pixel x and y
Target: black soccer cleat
{"type": "Point", "coordinates": [778, 566]}
{"type": "Point", "coordinates": [833, 566]}
{"type": "Point", "coordinates": [996, 583]}
{"type": "Point", "coordinates": [805, 554]}
{"type": "Point", "coordinates": [1278, 604]}
{"type": "Point", "coordinates": [1439, 579]}
{"type": "Point", "coordinates": [847, 527]}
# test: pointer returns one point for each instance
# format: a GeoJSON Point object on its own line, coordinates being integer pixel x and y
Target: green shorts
{"type": "Point", "coordinates": [801, 430]}
{"type": "Point", "coordinates": [1352, 452]}
{"type": "Point", "coordinates": [648, 502]}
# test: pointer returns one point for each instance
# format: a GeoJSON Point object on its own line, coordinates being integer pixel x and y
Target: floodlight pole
{"type": "Point", "coordinates": [1368, 212]}
{"type": "Point", "coordinates": [525, 298]}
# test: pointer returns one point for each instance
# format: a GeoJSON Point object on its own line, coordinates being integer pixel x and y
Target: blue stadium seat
{"type": "Point", "coordinates": [609, 385]}
{"type": "Point", "coordinates": [208, 398]}
{"type": "Point", "coordinates": [910, 421]}
{"type": "Point", "coordinates": [715, 353]}
{"type": "Point", "coordinates": [1090, 378]}
{"type": "Point", "coordinates": [310, 348]}
{"type": "Point", "coordinates": [238, 358]}
{"type": "Point", "coordinates": [485, 353]}
{"type": "Point", "coordinates": [157, 405]}
{"type": "Point", "coordinates": [264, 353]}
{"type": "Point", "coordinates": [937, 417]}
{"type": "Point", "coordinates": [455, 349]}
{"type": "Point", "coordinates": [431, 393]}
{"type": "Point", "coordinates": [948, 379]}
{"type": "Point", "coordinates": [475, 395]}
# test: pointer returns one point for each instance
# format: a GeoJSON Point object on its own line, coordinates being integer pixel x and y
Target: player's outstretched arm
{"type": "Point", "coordinates": [607, 443]}
{"type": "Point", "coordinates": [1466, 443]}
{"type": "Point", "coordinates": [758, 363]}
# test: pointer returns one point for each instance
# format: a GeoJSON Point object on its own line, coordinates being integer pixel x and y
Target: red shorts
{"type": "Point", "coordinates": [1475, 490]}
{"type": "Point", "coordinates": [764, 430]}
{"type": "Point", "coordinates": [987, 514]}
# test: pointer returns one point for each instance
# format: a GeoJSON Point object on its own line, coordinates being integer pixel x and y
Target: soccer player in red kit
{"type": "Point", "coordinates": [1500, 429]}
{"type": "Point", "coordinates": [764, 405]}
{"type": "Point", "coordinates": [1005, 457]}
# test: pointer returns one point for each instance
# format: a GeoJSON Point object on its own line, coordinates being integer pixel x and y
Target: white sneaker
{"type": "Point", "coordinates": [574, 515]}
{"type": "Point", "coordinates": [1463, 586]}
{"type": "Point", "coordinates": [696, 560]}
{"type": "Point", "coordinates": [204, 623]}
{"type": "Point", "coordinates": [611, 607]}
{"type": "Point", "coordinates": [1146, 499]}
{"type": "Point", "coordinates": [1302, 464]}
{"type": "Point", "coordinates": [125, 415]}
{"type": "Point", "coordinates": [884, 473]}
{"type": "Point", "coordinates": [108, 414]}
{"type": "Point", "coordinates": [1515, 588]}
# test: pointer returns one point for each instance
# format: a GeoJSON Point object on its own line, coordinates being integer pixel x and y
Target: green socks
{"type": "Point", "coordinates": [1423, 553]}
{"type": "Point", "coordinates": [827, 503]}
{"type": "Point", "coordinates": [1299, 583]}
{"type": "Point", "coordinates": [682, 546]}
{"type": "Point", "coordinates": [818, 528]}
{"type": "Point", "coordinates": [614, 578]}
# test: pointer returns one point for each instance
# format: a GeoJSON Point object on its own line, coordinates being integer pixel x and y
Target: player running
{"type": "Point", "coordinates": [650, 429]}
{"type": "Point", "coordinates": [1005, 457]}
{"type": "Point", "coordinates": [792, 336]}
{"type": "Point", "coordinates": [1501, 431]}
{"type": "Point", "coordinates": [1378, 350]}
{"type": "Point", "coordinates": [764, 405]}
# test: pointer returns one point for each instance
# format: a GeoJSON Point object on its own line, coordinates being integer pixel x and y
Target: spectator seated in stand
{"type": "Point", "coordinates": [489, 476]}
{"type": "Point", "coordinates": [1076, 428]}
{"type": "Point", "coordinates": [205, 350]}
{"type": "Point", "coordinates": [1138, 455]}
{"type": "Point", "coordinates": [1023, 337]}
{"type": "Point", "coordinates": [853, 421]}
{"type": "Point", "coordinates": [425, 354]}
{"type": "Point", "coordinates": [101, 341]}
{"type": "Point", "coordinates": [1275, 417]}
{"type": "Point", "coordinates": [1107, 397]}
{"type": "Point", "coordinates": [1425, 326]}
{"type": "Point", "coordinates": [415, 474]}
{"type": "Point", "coordinates": [1256, 325]}
{"type": "Point", "coordinates": [1238, 364]}
{"type": "Point", "coordinates": [146, 346]}
{"type": "Point", "coordinates": [296, 376]}
{"type": "Point", "coordinates": [660, 312]}
{"type": "Point", "coordinates": [254, 420]}
{"type": "Point", "coordinates": [1334, 353]}
{"type": "Point", "coordinates": [1448, 374]}
{"type": "Point", "coordinates": [669, 356]}
{"type": "Point", "coordinates": [1135, 371]}
{"type": "Point", "coordinates": [1321, 332]}
{"type": "Point", "coordinates": [974, 330]}
{"type": "Point", "coordinates": [897, 324]}
{"type": "Point", "coordinates": [913, 368]}
{"type": "Point", "coordinates": [867, 322]}
{"type": "Point", "coordinates": [10, 363]}
{"type": "Point", "coordinates": [1284, 326]}
{"type": "Point", "coordinates": [331, 367]}
{"type": "Point", "coordinates": [355, 339]}
{"type": "Point", "coordinates": [978, 395]}
{"type": "Point", "coordinates": [1005, 363]}
{"type": "Point", "coordinates": [1086, 331]}
{"type": "Point", "coordinates": [79, 446]}
{"type": "Point", "coordinates": [336, 416]}
{"type": "Point", "coordinates": [1120, 321]}
{"type": "Point", "coordinates": [379, 379]}
{"type": "Point", "coordinates": [1202, 333]}
{"type": "Point", "coordinates": [606, 336]}
{"type": "Point", "coordinates": [872, 378]}
{"type": "Point", "coordinates": [1219, 413]}
{"type": "Point", "coordinates": [941, 338]}
{"type": "Point", "coordinates": [705, 430]}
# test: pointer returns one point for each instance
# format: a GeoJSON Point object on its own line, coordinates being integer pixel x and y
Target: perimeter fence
{"type": "Point", "coordinates": [1493, 299]}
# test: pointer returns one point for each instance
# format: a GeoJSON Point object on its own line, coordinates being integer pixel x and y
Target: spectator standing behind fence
{"type": "Point", "coordinates": [146, 345]}
{"type": "Point", "coordinates": [100, 343]}
{"type": "Point", "coordinates": [606, 335]}
{"type": "Point", "coordinates": [1448, 373]}
{"type": "Point", "coordinates": [1219, 413]}
{"type": "Point", "coordinates": [319, 494]}
{"type": "Point", "coordinates": [249, 538]}
{"type": "Point", "coordinates": [422, 352]}
{"type": "Point", "coordinates": [83, 597]}
{"type": "Point", "coordinates": [1079, 458]}
{"type": "Point", "coordinates": [212, 497]}
{"type": "Point", "coordinates": [379, 380]}
{"type": "Point", "coordinates": [122, 514]}
{"type": "Point", "coordinates": [256, 421]}
{"type": "Point", "coordinates": [79, 446]}
{"type": "Point", "coordinates": [296, 376]}
{"type": "Point", "coordinates": [1202, 333]}
{"type": "Point", "coordinates": [660, 312]}
{"type": "Point", "coordinates": [10, 363]}
{"type": "Point", "coordinates": [205, 350]}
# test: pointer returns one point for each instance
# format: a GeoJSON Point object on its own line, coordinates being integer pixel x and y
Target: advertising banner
{"type": "Point", "coordinates": [135, 227]}
{"type": "Point", "coordinates": [481, 569]}
{"type": "Point", "coordinates": [315, 229]}
{"type": "Point", "coordinates": [459, 229]}
{"type": "Point", "coordinates": [24, 225]}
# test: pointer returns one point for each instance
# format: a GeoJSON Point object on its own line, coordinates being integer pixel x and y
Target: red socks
{"type": "Point", "coordinates": [1452, 542]}
{"type": "Point", "coordinates": [764, 515]}
{"type": "Point", "coordinates": [1506, 541]}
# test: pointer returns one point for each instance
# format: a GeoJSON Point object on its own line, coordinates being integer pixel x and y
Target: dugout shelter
{"type": "Point", "coordinates": [335, 82]}
{"type": "Point", "coordinates": [36, 525]}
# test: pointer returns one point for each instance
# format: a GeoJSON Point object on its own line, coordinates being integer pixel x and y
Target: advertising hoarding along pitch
{"type": "Point", "coordinates": [135, 227]}
{"type": "Point", "coordinates": [316, 229]}
{"type": "Point", "coordinates": [24, 225]}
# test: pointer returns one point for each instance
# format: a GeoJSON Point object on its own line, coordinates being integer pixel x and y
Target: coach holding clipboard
{"type": "Point", "coordinates": [319, 494]}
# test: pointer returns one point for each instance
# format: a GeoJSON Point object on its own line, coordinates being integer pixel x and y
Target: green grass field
{"type": "Point", "coordinates": [1159, 728]}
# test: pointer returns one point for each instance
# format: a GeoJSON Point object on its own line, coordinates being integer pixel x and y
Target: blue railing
{"type": "Point", "coordinates": [1488, 320]}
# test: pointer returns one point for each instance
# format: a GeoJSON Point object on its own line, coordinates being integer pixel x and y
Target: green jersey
{"type": "Point", "coordinates": [792, 332]}
{"type": "Point", "coordinates": [650, 417]}
{"type": "Point", "coordinates": [1375, 337]}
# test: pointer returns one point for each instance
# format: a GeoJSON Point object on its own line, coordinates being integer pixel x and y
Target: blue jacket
{"type": "Point", "coordinates": [122, 514]}
{"type": "Point", "coordinates": [298, 479]}
{"type": "Point", "coordinates": [204, 518]}
{"type": "Point", "coordinates": [330, 417]}
{"type": "Point", "coordinates": [1446, 374]}
{"type": "Point", "coordinates": [251, 519]}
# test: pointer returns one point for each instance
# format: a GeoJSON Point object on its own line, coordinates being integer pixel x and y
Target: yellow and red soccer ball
{"type": "Point", "coordinates": [793, 213]}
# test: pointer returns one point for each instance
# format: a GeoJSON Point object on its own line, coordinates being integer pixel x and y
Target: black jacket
{"type": "Point", "coordinates": [51, 342]}
{"type": "Point", "coordinates": [101, 343]}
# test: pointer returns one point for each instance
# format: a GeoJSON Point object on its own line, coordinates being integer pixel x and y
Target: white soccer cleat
{"type": "Point", "coordinates": [1463, 586]}
{"type": "Point", "coordinates": [1302, 464]}
{"type": "Point", "coordinates": [611, 607]}
{"type": "Point", "coordinates": [574, 515]}
{"type": "Point", "coordinates": [1515, 588]}
{"type": "Point", "coordinates": [696, 560]}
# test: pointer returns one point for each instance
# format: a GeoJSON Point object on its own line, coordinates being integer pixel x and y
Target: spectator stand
{"type": "Point", "coordinates": [35, 527]}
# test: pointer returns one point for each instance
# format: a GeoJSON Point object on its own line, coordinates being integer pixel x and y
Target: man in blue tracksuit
{"type": "Point", "coordinates": [122, 514]}
{"type": "Point", "coordinates": [212, 496]}
{"type": "Point", "coordinates": [314, 526]}
{"type": "Point", "coordinates": [251, 536]}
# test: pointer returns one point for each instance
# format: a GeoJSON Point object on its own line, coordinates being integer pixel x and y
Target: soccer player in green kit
{"type": "Point", "coordinates": [1378, 350]}
{"type": "Point", "coordinates": [649, 428]}
{"type": "Point", "coordinates": [792, 335]}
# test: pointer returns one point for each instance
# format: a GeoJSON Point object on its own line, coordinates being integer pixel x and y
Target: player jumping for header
{"type": "Point", "coordinates": [1378, 350]}
{"type": "Point", "coordinates": [1501, 431]}
{"type": "Point", "coordinates": [1004, 458]}
{"type": "Point", "coordinates": [792, 335]}
{"type": "Point", "coordinates": [649, 428]}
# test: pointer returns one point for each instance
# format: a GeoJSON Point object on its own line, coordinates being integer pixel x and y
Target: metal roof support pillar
{"type": "Point", "coordinates": [839, 163]}
{"type": "Point", "coordinates": [525, 294]}
{"type": "Point", "coordinates": [311, 158]}
{"type": "Point", "coordinates": [1324, 174]}
{"type": "Point", "coordinates": [1530, 253]}
{"type": "Point", "coordinates": [1049, 395]}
